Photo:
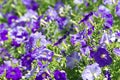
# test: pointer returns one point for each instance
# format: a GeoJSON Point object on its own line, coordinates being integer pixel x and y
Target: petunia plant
{"type": "Point", "coordinates": [59, 40]}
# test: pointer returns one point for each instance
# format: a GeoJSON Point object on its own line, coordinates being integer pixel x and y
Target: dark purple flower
{"type": "Point", "coordinates": [12, 19]}
{"type": "Point", "coordinates": [3, 32]}
{"type": "Point", "coordinates": [107, 75]}
{"type": "Point", "coordinates": [62, 22]}
{"type": "Point", "coordinates": [26, 60]}
{"type": "Point", "coordinates": [3, 35]}
{"type": "Point", "coordinates": [42, 53]}
{"type": "Point", "coordinates": [13, 73]}
{"type": "Point", "coordinates": [86, 17]}
{"type": "Point", "coordinates": [60, 40]}
{"type": "Point", "coordinates": [102, 57]}
{"type": "Point", "coordinates": [73, 60]}
{"type": "Point", "coordinates": [43, 76]}
{"type": "Point", "coordinates": [15, 43]}
{"type": "Point", "coordinates": [60, 75]}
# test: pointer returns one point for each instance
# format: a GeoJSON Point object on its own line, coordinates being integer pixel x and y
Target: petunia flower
{"type": "Point", "coordinates": [105, 14]}
{"type": "Point", "coordinates": [2, 69]}
{"type": "Point", "coordinates": [13, 73]}
{"type": "Point", "coordinates": [116, 51]}
{"type": "Point", "coordinates": [78, 1]}
{"type": "Point", "coordinates": [117, 8]}
{"type": "Point", "coordinates": [43, 76]}
{"type": "Point", "coordinates": [102, 57]}
{"type": "Point", "coordinates": [107, 2]}
{"type": "Point", "coordinates": [51, 14]}
{"type": "Point", "coordinates": [4, 53]}
{"type": "Point", "coordinates": [60, 75]}
{"type": "Point", "coordinates": [91, 71]}
{"type": "Point", "coordinates": [12, 19]}
{"type": "Point", "coordinates": [3, 33]}
{"type": "Point", "coordinates": [26, 60]}
{"type": "Point", "coordinates": [31, 4]}
{"type": "Point", "coordinates": [42, 53]}
{"type": "Point", "coordinates": [77, 37]}
{"type": "Point", "coordinates": [73, 60]}
{"type": "Point", "coordinates": [107, 75]}
{"type": "Point", "coordinates": [19, 35]}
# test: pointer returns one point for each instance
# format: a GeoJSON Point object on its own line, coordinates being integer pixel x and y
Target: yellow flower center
{"type": "Point", "coordinates": [103, 56]}
{"type": "Point", "coordinates": [28, 58]}
{"type": "Point", "coordinates": [43, 75]}
{"type": "Point", "coordinates": [13, 73]}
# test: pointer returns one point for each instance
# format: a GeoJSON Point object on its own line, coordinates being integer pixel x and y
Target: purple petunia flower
{"type": "Point", "coordinates": [78, 37]}
{"type": "Point", "coordinates": [19, 35]}
{"type": "Point", "coordinates": [60, 75]}
{"type": "Point", "coordinates": [42, 53]}
{"type": "Point", "coordinates": [73, 60]}
{"type": "Point", "coordinates": [62, 22]}
{"type": "Point", "coordinates": [102, 57]}
{"type": "Point", "coordinates": [51, 14]}
{"type": "Point", "coordinates": [78, 1]}
{"type": "Point", "coordinates": [105, 39]}
{"type": "Point", "coordinates": [91, 71]}
{"type": "Point", "coordinates": [4, 53]}
{"type": "Point", "coordinates": [107, 2]}
{"type": "Point", "coordinates": [86, 17]}
{"type": "Point", "coordinates": [58, 5]}
{"type": "Point", "coordinates": [26, 60]}
{"type": "Point", "coordinates": [107, 75]}
{"type": "Point", "coordinates": [118, 9]}
{"type": "Point", "coordinates": [116, 51]}
{"type": "Point", "coordinates": [13, 73]}
{"type": "Point", "coordinates": [30, 15]}
{"type": "Point", "coordinates": [43, 76]}
{"type": "Point", "coordinates": [11, 19]}
{"type": "Point", "coordinates": [2, 69]}
{"type": "Point", "coordinates": [37, 39]}
{"type": "Point", "coordinates": [105, 14]}
{"type": "Point", "coordinates": [31, 4]}
{"type": "Point", "coordinates": [3, 32]}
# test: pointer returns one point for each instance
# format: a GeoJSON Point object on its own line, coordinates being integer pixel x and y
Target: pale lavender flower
{"type": "Point", "coordinates": [117, 51]}
{"type": "Point", "coordinates": [78, 1]}
{"type": "Point", "coordinates": [38, 39]}
{"type": "Point", "coordinates": [108, 2]}
{"type": "Point", "coordinates": [73, 60]}
{"type": "Point", "coordinates": [42, 53]}
{"type": "Point", "coordinates": [91, 71]}
{"type": "Point", "coordinates": [118, 9]}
